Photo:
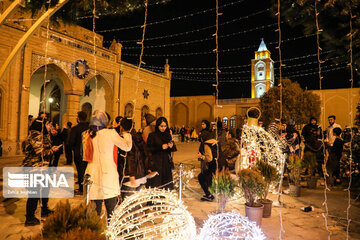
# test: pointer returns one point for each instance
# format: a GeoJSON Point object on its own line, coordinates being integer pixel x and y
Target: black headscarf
{"type": "Point", "coordinates": [207, 123]}
{"type": "Point", "coordinates": [164, 136]}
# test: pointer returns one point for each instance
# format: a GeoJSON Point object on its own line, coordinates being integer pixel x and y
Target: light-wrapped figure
{"type": "Point", "coordinates": [230, 225]}
{"type": "Point", "coordinates": [256, 143]}
{"type": "Point", "coordinates": [152, 214]}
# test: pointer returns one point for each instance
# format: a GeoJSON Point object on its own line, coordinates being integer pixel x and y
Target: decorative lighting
{"type": "Point", "coordinates": [259, 144]}
{"type": "Point", "coordinates": [51, 100]}
{"type": "Point", "coordinates": [152, 214]}
{"type": "Point", "coordinates": [230, 225]}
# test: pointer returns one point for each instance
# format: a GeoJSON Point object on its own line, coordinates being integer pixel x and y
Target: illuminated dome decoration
{"type": "Point", "coordinates": [230, 225]}
{"type": "Point", "coordinates": [152, 214]}
{"type": "Point", "coordinates": [259, 144]}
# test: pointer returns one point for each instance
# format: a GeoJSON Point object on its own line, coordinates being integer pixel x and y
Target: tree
{"type": "Point", "coordinates": [333, 18]}
{"type": "Point", "coordinates": [72, 10]}
{"type": "Point", "coordinates": [297, 105]}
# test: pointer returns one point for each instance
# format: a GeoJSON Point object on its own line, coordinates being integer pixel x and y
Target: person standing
{"type": "Point", "coordinates": [101, 165]}
{"type": "Point", "coordinates": [150, 126]}
{"type": "Point", "coordinates": [65, 134]}
{"type": "Point", "coordinates": [330, 138]}
{"type": "Point", "coordinates": [38, 153]}
{"type": "Point", "coordinates": [57, 146]}
{"type": "Point", "coordinates": [75, 143]}
{"type": "Point", "coordinates": [161, 145]}
{"type": "Point", "coordinates": [207, 155]}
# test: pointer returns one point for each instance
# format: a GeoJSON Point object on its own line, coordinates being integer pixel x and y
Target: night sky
{"type": "Point", "coordinates": [242, 25]}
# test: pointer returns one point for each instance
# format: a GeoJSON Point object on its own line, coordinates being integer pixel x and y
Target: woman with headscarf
{"type": "Point", "coordinates": [161, 145]}
{"type": "Point", "coordinates": [98, 143]}
{"type": "Point", "coordinates": [207, 155]}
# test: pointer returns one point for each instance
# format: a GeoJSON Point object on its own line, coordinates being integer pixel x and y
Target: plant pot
{"type": "Point", "coordinates": [222, 202]}
{"type": "Point", "coordinates": [267, 207]}
{"type": "Point", "coordinates": [294, 190]}
{"type": "Point", "coordinates": [311, 182]}
{"type": "Point", "coordinates": [254, 213]}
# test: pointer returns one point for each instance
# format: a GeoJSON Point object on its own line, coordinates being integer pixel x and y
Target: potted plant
{"type": "Point", "coordinates": [271, 175]}
{"type": "Point", "coordinates": [252, 184]}
{"type": "Point", "coordinates": [223, 186]}
{"type": "Point", "coordinates": [294, 165]}
{"type": "Point", "coordinates": [310, 162]}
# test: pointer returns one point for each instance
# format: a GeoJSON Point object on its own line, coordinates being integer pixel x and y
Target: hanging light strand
{"type": "Point", "coordinates": [204, 39]}
{"type": "Point", "coordinates": [348, 189]}
{"type": "Point", "coordinates": [237, 66]}
{"type": "Point", "coordinates": [280, 103]}
{"type": "Point", "coordinates": [94, 48]}
{"type": "Point", "coordinates": [170, 19]}
{"type": "Point", "coordinates": [193, 31]}
{"type": "Point", "coordinates": [318, 31]}
{"type": "Point", "coordinates": [211, 52]}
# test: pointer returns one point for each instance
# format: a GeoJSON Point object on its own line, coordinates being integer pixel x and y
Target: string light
{"type": "Point", "coordinates": [237, 80]}
{"type": "Point", "coordinates": [170, 19]}
{"type": "Point", "coordinates": [350, 35]}
{"type": "Point", "coordinates": [235, 66]}
{"type": "Point", "coordinates": [318, 30]}
{"type": "Point", "coordinates": [230, 225]}
{"type": "Point", "coordinates": [201, 40]}
{"type": "Point", "coordinates": [211, 52]}
{"type": "Point", "coordinates": [194, 31]}
{"type": "Point", "coordinates": [165, 217]}
{"type": "Point", "coordinates": [280, 102]}
{"type": "Point", "coordinates": [94, 48]}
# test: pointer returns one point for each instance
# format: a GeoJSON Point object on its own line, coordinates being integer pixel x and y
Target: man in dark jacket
{"type": "Point", "coordinates": [76, 143]}
{"type": "Point", "coordinates": [312, 135]}
{"type": "Point", "coordinates": [65, 135]}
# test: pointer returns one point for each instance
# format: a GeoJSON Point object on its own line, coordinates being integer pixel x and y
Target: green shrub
{"type": "Point", "coordinates": [270, 174]}
{"type": "Point", "coordinates": [223, 183]}
{"type": "Point", "coordinates": [252, 184]}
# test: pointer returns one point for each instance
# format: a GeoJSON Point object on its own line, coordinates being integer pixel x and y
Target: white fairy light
{"type": "Point", "coordinates": [230, 225]}
{"type": "Point", "coordinates": [187, 175]}
{"type": "Point", "coordinates": [259, 144]}
{"type": "Point", "coordinates": [152, 214]}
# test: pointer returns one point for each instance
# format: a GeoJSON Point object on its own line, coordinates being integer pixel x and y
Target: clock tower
{"type": "Point", "coordinates": [262, 71]}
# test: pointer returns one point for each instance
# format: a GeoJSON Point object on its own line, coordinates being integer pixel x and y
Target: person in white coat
{"type": "Point", "coordinates": [102, 167]}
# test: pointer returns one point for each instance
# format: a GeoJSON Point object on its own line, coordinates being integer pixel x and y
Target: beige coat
{"type": "Point", "coordinates": [102, 169]}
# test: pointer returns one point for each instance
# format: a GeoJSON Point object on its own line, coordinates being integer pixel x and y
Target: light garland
{"type": "Point", "coordinates": [230, 225]}
{"type": "Point", "coordinates": [203, 39]}
{"type": "Point", "coordinates": [152, 214]}
{"type": "Point", "coordinates": [193, 31]}
{"type": "Point", "coordinates": [171, 19]}
{"type": "Point", "coordinates": [187, 175]}
{"type": "Point", "coordinates": [211, 52]}
{"type": "Point", "coordinates": [259, 144]}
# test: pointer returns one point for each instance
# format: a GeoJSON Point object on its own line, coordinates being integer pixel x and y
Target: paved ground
{"type": "Point", "coordinates": [296, 224]}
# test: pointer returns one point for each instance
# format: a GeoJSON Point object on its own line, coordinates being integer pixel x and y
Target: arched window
{"type": "Point", "coordinates": [87, 107]}
{"type": "Point", "coordinates": [225, 121]}
{"type": "Point", "coordinates": [144, 110]}
{"type": "Point", "coordinates": [159, 112]}
{"type": "Point", "coordinates": [233, 122]}
{"type": "Point", "coordinates": [129, 110]}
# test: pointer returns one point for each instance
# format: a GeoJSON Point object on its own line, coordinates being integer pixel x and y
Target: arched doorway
{"type": "Point", "coordinates": [158, 112]}
{"type": "Point", "coordinates": [47, 92]}
{"type": "Point", "coordinates": [204, 113]}
{"type": "Point", "coordinates": [129, 110]}
{"type": "Point", "coordinates": [87, 107]}
{"type": "Point", "coordinates": [181, 115]}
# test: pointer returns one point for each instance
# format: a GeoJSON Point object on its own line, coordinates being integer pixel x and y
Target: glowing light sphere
{"type": "Point", "coordinates": [152, 214]}
{"type": "Point", "coordinates": [259, 144]}
{"type": "Point", "coordinates": [230, 225]}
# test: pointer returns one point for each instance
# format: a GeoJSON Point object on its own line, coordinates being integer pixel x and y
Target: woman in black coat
{"type": "Point", "coordinates": [160, 145]}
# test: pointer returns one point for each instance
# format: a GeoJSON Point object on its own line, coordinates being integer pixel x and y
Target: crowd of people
{"type": "Point", "coordinates": [118, 159]}
{"type": "Point", "coordinates": [121, 161]}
